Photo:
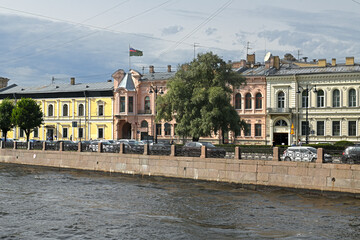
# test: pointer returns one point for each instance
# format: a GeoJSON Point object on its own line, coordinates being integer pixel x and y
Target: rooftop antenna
{"type": "Point", "coordinates": [52, 80]}
{"type": "Point", "coordinates": [247, 48]}
{"type": "Point", "coordinates": [299, 54]}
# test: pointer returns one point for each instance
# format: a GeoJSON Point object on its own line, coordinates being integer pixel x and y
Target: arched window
{"type": "Point", "coordinates": [144, 124]}
{"type": "Point", "coordinates": [258, 101]}
{"type": "Point", "coordinates": [352, 98]}
{"type": "Point", "coordinates": [50, 110]}
{"type": "Point", "coordinates": [238, 101]}
{"type": "Point", "coordinates": [281, 100]}
{"type": "Point", "coordinates": [65, 110]}
{"type": "Point", "coordinates": [281, 123]}
{"type": "Point", "coordinates": [320, 98]}
{"type": "Point", "coordinates": [305, 99]}
{"type": "Point", "coordinates": [147, 104]}
{"type": "Point", "coordinates": [248, 101]}
{"type": "Point", "coordinates": [336, 98]}
{"type": "Point", "coordinates": [81, 110]}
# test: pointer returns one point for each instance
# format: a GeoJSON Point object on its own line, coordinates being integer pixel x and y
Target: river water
{"type": "Point", "coordinates": [44, 203]}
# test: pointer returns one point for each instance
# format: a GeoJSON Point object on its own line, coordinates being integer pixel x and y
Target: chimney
{"type": "Point", "coordinates": [349, 61]}
{"type": "Point", "coordinates": [250, 58]}
{"type": "Point", "coordinates": [151, 69]}
{"type": "Point", "coordinates": [333, 62]}
{"type": "Point", "coordinates": [322, 63]}
{"type": "Point", "coordinates": [72, 81]}
{"type": "Point", "coordinates": [169, 68]}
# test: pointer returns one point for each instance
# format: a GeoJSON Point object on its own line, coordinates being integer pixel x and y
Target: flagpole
{"type": "Point", "coordinates": [129, 58]}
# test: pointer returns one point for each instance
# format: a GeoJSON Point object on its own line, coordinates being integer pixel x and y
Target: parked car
{"type": "Point", "coordinates": [212, 150]}
{"type": "Point", "coordinates": [303, 154]}
{"type": "Point", "coordinates": [351, 154]}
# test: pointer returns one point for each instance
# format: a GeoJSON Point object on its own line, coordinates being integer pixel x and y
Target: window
{"type": "Point", "coordinates": [352, 98]}
{"type": "Point", "coordinates": [281, 100]}
{"type": "Point", "coordinates": [131, 104]}
{"type": "Point", "coordinates": [305, 128]}
{"type": "Point", "coordinates": [122, 104]}
{"type": "Point", "coordinates": [248, 101]}
{"type": "Point", "coordinates": [336, 128]}
{"type": "Point", "coordinates": [281, 123]}
{"type": "Point", "coordinates": [320, 98]}
{"type": "Point", "coordinates": [258, 101]}
{"type": "Point", "coordinates": [101, 110]}
{"type": "Point", "coordinates": [257, 130]}
{"type": "Point", "coordinates": [65, 110]}
{"type": "Point", "coordinates": [100, 132]}
{"type": "Point", "coordinates": [81, 110]}
{"type": "Point", "coordinates": [167, 129]}
{"type": "Point", "coordinates": [248, 130]}
{"type": "Point", "coordinates": [336, 98]}
{"type": "Point", "coordinates": [305, 99]}
{"type": "Point", "coordinates": [36, 132]}
{"type": "Point", "coordinates": [50, 110]}
{"type": "Point", "coordinates": [352, 128]}
{"type": "Point", "coordinates": [147, 104]}
{"type": "Point", "coordinates": [81, 133]}
{"type": "Point", "coordinates": [21, 132]}
{"type": "Point", "coordinates": [158, 129]}
{"type": "Point", "coordinates": [238, 101]}
{"type": "Point", "coordinates": [144, 124]}
{"type": "Point", "coordinates": [320, 128]}
{"type": "Point", "coordinates": [65, 133]}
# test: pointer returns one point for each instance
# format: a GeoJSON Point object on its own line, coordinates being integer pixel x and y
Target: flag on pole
{"type": "Point", "coordinates": [135, 52]}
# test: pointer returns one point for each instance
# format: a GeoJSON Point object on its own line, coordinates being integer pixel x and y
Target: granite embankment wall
{"type": "Point", "coordinates": [316, 176]}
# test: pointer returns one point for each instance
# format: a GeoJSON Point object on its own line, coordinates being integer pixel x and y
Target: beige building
{"type": "Point", "coordinates": [315, 102]}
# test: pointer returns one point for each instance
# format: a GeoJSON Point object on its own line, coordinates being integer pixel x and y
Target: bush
{"type": "Point", "coordinates": [344, 143]}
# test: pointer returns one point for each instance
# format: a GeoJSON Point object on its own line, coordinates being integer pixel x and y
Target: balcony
{"type": "Point", "coordinates": [279, 111]}
{"type": "Point", "coordinates": [147, 111]}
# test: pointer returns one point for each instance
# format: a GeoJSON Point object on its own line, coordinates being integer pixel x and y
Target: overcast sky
{"type": "Point", "coordinates": [89, 39]}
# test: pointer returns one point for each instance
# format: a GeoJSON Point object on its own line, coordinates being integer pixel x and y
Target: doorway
{"type": "Point", "coordinates": [281, 138]}
{"type": "Point", "coordinates": [126, 131]}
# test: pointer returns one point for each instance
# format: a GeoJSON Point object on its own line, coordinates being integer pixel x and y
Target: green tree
{"type": "Point", "coordinates": [6, 108]}
{"type": "Point", "coordinates": [27, 115]}
{"type": "Point", "coordinates": [199, 98]}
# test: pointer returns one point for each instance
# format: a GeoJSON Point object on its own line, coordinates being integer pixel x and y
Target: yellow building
{"type": "Point", "coordinates": [71, 111]}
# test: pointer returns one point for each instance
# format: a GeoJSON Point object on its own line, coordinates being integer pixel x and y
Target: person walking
{"type": "Point", "coordinates": [299, 142]}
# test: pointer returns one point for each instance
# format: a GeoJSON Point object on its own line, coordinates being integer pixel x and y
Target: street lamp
{"type": "Point", "coordinates": [155, 90]}
{"type": "Point", "coordinates": [307, 90]}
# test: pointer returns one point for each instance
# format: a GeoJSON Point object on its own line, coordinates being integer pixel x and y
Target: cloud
{"type": "Point", "coordinates": [172, 30]}
{"type": "Point", "coordinates": [209, 31]}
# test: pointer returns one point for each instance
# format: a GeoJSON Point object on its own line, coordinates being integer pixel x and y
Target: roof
{"type": "Point", "coordinates": [158, 76]}
{"type": "Point", "coordinates": [291, 69]}
{"type": "Point", "coordinates": [58, 88]}
{"type": "Point", "coordinates": [127, 83]}
{"type": "Point", "coordinates": [258, 71]}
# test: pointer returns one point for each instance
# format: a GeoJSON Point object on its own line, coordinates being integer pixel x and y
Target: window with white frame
{"type": "Point", "coordinates": [352, 128]}
{"type": "Point", "coordinates": [122, 104]}
{"type": "Point", "coordinates": [50, 110]}
{"type": "Point", "coordinates": [100, 132]}
{"type": "Point", "coordinates": [101, 109]}
{"type": "Point", "coordinates": [320, 98]}
{"type": "Point", "coordinates": [305, 128]}
{"type": "Point", "coordinates": [352, 98]}
{"type": "Point", "coordinates": [247, 132]}
{"type": "Point", "coordinates": [65, 109]}
{"type": "Point", "coordinates": [336, 98]}
{"type": "Point", "coordinates": [248, 104]}
{"type": "Point", "coordinates": [81, 109]}
{"type": "Point", "coordinates": [305, 99]}
{"type": "Point", "coordinates": [258, 101]}
{"type": "Point", "coordinates": [257, 130]}
{"type": "Point", "coordinates": [336, 128]}
{"type": "Point", "coordinates": [320, 128]}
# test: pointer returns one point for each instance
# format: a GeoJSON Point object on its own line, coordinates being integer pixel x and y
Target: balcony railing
{"type": "Point", "coordinates": [279, 110]}
{"type": "Point", "coordinates": [148, 111]}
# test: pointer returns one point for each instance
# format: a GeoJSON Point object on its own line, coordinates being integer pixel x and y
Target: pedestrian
{"type": "Point", "coordinates": [299, 142]}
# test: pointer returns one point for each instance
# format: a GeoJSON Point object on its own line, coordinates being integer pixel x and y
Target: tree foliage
{"type": "Point", "coordinates": [27, 115]}
{"type": "Point", "coordinates": [199, 98]}
{"type": "Point", "coordinates": [6, 108]}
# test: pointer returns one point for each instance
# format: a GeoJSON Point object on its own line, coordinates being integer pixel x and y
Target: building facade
{"type": "Point", "coordinates": [314, 103]}
{"type": "Point", "coordinates": [71, 111]}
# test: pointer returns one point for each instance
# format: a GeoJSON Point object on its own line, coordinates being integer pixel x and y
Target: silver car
{"type": "Point", "coordinates": [303, 154]}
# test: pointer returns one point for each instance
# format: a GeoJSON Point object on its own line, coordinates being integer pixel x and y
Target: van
{"type": "Point", "coordinates": [303, 154]}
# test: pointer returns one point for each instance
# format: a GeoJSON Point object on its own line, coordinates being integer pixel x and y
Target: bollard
{"type": "Point", "coordinates": [146, 149]}
{"type": "Point", "coordinates": [122, 148]}
{"type": "Point", "coordinates": [79, 147]}
{"type": "Point", "coordinates": [203, 152]}
{"type": "Point", "coordinates": [173, 151]}
{"type": "Point", "coordinates": [276, 155]}
{"type": "Point", "coordinates": [320, 155]}
{"type": "Point", "coordinates": [237, 154]}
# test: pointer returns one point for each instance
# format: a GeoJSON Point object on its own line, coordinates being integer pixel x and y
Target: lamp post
{"type": "Point", "coordinates": [307, 89]}
{"type": "Point", "coordinates": [155, 90]}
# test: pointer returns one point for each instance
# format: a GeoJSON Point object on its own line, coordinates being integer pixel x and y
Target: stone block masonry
{"type": "Point", "coordinates": [302, 175]}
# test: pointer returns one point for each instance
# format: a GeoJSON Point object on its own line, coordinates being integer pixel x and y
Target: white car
{"type": "Point", "coordinates": [303, 154]}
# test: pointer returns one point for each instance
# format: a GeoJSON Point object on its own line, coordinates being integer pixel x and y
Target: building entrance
{"type": "Point", "coordinates": [281, 138]}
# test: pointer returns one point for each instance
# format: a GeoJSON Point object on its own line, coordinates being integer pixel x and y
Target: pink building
{"type": "Point", "coordinates": [134, 108]}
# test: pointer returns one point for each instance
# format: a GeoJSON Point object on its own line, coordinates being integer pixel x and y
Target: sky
{"type": "Point", "coordinates": [50, 40]}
